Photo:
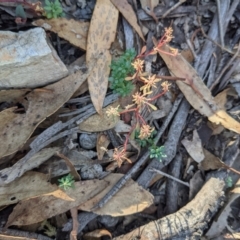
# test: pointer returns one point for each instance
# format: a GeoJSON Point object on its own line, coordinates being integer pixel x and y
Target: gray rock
{"type": "Point", "coordinates": [91, 172]}
{"type": "Point", "coordinates": [108, 221]}
{"type": "Point", "coordinates": [88, 141]}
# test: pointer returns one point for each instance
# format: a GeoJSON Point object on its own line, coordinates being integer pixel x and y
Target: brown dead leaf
{"type": "Point", "coordinates": [16, 128]}
{"type": "Point", "coordinates": [101, 34]}
{"type": "Point", "coordinates": [126, 10]}
{"type": "Point", "coordinates": [97, 234]}
{"type": "Point", "coordinates": [149, 3]}
{"type": "Point", "coordinates": [29, 185]}
{"type": "Point", "coordinates": [148, 6]}
{"type": "Point", "coordinates": [73, 31]}
{"type": "Point", "coordinates": [102, 144]}
{"type": "Point", "coordinates": [210, 161]}
{"type": "Point", "coordinates": [194, 147]}
{"type": "Point", "coordinates": [199, 96]}
{"type": "Point", "coordinates": [123, 203]}
{"type": "Point", "coordinates": [98, 123]}
{"type": "Point", "coordinates": [42, 207]}
{"type": "Point", "coordinates": [12, 95]}
{"type": "Point", "coordinates": [35, 161]}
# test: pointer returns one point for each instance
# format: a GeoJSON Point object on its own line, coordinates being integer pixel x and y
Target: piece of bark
{"type": "Point", "coordinates": [189, 221]}
{"type": "Point", "coordinates": [172, 186]}
{"type": "Point", "coordinates": [27, 60]}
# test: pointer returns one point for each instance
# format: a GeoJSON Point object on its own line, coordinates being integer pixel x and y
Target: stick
{"type": "Point", "coordinates": [169, 176]}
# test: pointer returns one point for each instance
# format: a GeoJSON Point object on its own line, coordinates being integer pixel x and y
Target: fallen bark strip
{"type": "Point", "coordinates": [189, 221]}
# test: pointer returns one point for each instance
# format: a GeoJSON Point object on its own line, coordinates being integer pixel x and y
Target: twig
{"type": "Point", "coordinates": [220, 25]}
{"type": "Point", "coordinates": [173, 8]}
{"type": "Point", "coordinates": [141, 161]}
{"type": "Point", "coordinates": [74, 214]}
{"type": "Point", "coordinates": [225, 68]}
{"type": "Point", "coordinates": [169, 176]}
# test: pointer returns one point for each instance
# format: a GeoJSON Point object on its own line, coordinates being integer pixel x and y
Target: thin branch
{"type": "Point", "coordinates": [169, 176]}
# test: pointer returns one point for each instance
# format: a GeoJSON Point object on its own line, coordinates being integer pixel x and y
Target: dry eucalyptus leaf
{"type": "Point", "coordinates": [194, 147]}
{"type": "Point", "coordinates": [11, 173]}
{"type": "Point", "coordinates": [149, 3]}
{"type": "Point", "coordinates": [123, 203]}
{"type": "Point", "coordinates": [98, 123]}
{"type": "Point", "coordinates": [16, 128]}
{"type": "Point", "coordinates": [69, 29]}
{"type": "Point", "coordinates": [101, 34]}
{"type": "Point", "coordinates": [42, 207]}
{"type": "Point", "coordinates": [126, 10]}
{"type": "Point", "coordinates": [29, 185]}
{"type": "Point", "coordinates": [12, 95]}
{"type": "Point", "coordinates": [200, 98]}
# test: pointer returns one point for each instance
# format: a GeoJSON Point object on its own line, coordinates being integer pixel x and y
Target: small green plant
{"type": "Point", "coordinates": [229, 182]}
{"type": "Point", "coordinates": [120, 69]}
{"type": "Point", "coordinates": [66, 182]}
{"type": "Point", "coordinates": [145, 141]}
{"type": "Point", "coordinates": [53, 9]}
{"type": "Point", "coordinates": [157, 152]}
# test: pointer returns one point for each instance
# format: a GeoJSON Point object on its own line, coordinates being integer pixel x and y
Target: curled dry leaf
{"type": "Point", "coordinates": [101, 34]}
{"type": "Point", "coordinates": [45, 206]}
{"type": "Point", "coordinates": [122, 203]}
{"type": "Point", "coordinates": [126, 10]}
{"type": "Point", "coordinates": [16, 128]}
{"type": "Point", "coordinates": [198, 95]}
{"type": "Point", "coordinates": [69, 29]}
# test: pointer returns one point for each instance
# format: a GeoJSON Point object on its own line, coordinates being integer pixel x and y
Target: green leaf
{"type": "Point", "coordinates": [47, 2]}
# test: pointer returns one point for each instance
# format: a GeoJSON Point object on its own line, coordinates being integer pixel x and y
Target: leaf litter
{"type": "Point", "coordinates": [27, 146]}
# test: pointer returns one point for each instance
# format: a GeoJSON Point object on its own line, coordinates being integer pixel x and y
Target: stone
{"type": "Point", "coordinates": [88, 141]}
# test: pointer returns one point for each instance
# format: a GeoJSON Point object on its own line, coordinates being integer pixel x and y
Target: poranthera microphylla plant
{"type": "Point", "coordinates": [141, 99]}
